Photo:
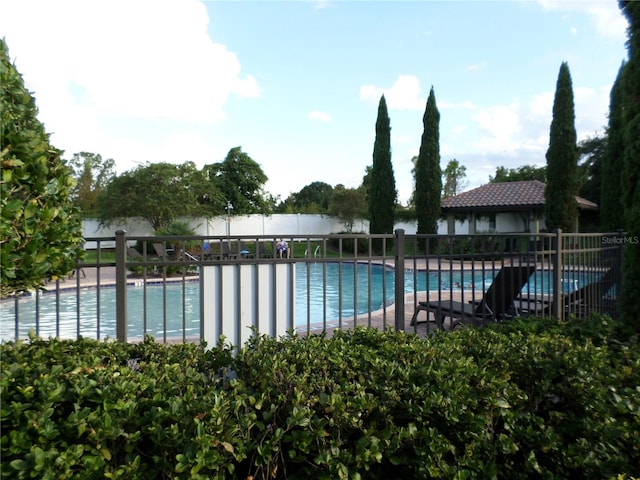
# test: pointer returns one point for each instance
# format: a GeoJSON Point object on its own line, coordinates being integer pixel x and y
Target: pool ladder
{"type": "Point", "coordinates": [316, 252]}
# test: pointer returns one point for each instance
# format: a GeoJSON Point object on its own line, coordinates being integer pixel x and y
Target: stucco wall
{"type": "Point", "coordinates": [290, 225]}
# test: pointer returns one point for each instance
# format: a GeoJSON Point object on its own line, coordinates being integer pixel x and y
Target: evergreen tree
{"type": "Point", "coordinates": [631, 169]}
{"type": "Point", "coordinates": [611, 213]}
{"type": "Point", "coordinates": [382, 184]}
{"type": "Point", "coordinates": [561, 209]}
{"type": "Point", "coordinates": [520, 174]}
{"type": "Point", "coordinates": [40, 228]}
{"type": "Point", "coordinates": [454, 178]}
{"type": "Point", "coordinates": [428, 174]}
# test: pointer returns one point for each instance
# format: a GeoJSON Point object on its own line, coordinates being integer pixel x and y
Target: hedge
{"type": "Point", "coordinates": [527, 399]}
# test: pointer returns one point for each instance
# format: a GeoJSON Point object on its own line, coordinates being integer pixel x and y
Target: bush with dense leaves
{"type": "Point", "coordinates": [529, 399]}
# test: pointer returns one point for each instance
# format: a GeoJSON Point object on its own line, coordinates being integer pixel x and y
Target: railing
{"type": "Point", "coordinates": [154, 285]}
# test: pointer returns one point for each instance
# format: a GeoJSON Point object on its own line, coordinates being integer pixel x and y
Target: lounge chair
{"type": "Point", "coordinates": [134, 254]}
{"type": "Point", "coordinates": [580, 302]}
{"type": "Point", "coordinates": [162, 252]}
{"type": "Point", "coordinates": [262, 252]}
{"type": "Point", "coordinates": [497, 303]}
{"type": "Point", "coordinates": [226, 253]}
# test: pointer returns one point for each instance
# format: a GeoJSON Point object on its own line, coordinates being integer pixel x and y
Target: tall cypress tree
{"type": "Point", "coordinates": [382, 186]}
{"type": "Point", "coordinates": [561, 209]}
{"type": "Point", "coordinates": [428, 174]}
{"type": "Point", "coordinates": [631, 169]}
{"type": "Point", "coordinates": [611, 213]}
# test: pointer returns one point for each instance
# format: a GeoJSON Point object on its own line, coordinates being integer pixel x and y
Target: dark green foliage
{"type": "Point", "coordinates": [528, 399]}
{"type": "Point", "coordinates": [313, 198]}
{"type": "Point", "coordinates": [591, 154]}
{"type": "Point", "coordinates": [382, 183]}
{"type": "Point", "coordinates": [92, 174]}
{"type": "Point", "coordinates": [631, 168]}
{"type": "Point", "coordinates": [348, 204]}
{"type": "Point", "coordinates": [524, 173]}
{"type": "Point", "coordinates": [561, 209]}
{"type": "Point", "coordinates": [240, 180]}
{"type": "Point", "coordinates": [94, 410]}
{"type": "Point", "coordinates": [454, 178]}
{"type": "Point", "coordinates": [40, 229]}
{"type": "Point", "coordinates": [611, 211]}
{"type": "Point", "coordinates": [428, 174]}
{"type": "Point", "coordinates": [159, 193]}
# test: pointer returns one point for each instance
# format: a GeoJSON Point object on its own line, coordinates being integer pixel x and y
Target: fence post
{"type": "Point", "coordinates": [121, 285]}
{"type": "Point", "coordinates": [399, 280]}
{"type": "Point", "coordinates": [619, 261]}
{"type": "Point", "coordinates": [557, 309]}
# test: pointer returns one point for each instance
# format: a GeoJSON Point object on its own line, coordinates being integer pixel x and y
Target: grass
{"type": "Point", "coordinates": [106, 256]}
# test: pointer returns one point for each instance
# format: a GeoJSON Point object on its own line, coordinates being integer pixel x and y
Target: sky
{"type": "Point", "coordinates": [297, 84]}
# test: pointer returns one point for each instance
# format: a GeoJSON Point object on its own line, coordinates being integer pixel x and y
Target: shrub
{"type": "Point", "coordinates": [528, 399]}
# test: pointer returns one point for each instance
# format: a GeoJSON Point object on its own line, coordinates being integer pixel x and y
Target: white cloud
{"type": "Point", "coordinates": [501, 123]}
{"type": "Point", "coordinates": [524, 128]}
{"type": "Point", "coordinates": [476, 67]}
{"type": "Point", "coordinates": [319, 116]}
{"type": "Point", "coordinates": [605, 14]}
{"type": "Point", "coordinates": [150, 59]}
{"type": "Point", "coordinates": [590, 107]}
{"type": "Point", "coordinates": [542, 104]}
{"type": "Point", "coordinates": [608, 19]}
{"type": "Point", "coordinates": [404, 94]}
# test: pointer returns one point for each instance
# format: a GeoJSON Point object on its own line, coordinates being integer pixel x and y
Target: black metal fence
{"type": "Point", "coordinates": [129, 287]}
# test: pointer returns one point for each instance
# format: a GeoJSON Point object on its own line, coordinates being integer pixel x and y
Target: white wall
{"type": "Point", "coordinates": [276, 225]}
{"type": "Point", "coordinates": [287, 225]}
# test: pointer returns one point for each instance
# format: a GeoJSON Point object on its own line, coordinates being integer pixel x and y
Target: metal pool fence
{"type": "Point", "coordinates": [340, 281]}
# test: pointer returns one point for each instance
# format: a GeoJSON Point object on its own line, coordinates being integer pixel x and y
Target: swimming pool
{"type": "Point", "coordinates": [365, 288]}
{"type": "Point", "coordinates": [84, 319]}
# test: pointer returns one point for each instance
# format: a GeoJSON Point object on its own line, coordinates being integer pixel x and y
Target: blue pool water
{"type": "Point", "coordinates": [90, 323]}
{"type": "Point", "coordinates": [364, 288]}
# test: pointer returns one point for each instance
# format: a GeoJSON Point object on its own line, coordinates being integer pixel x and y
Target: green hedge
{"type": "Point", "coordinates": [528, 399]}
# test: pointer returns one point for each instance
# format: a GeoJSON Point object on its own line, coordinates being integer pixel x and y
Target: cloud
{"type": "Point", "coordinates": [148, 59]}
{"type": "Point", "coordinates": [319, 116]}
{"type": "Point", "coordinates": [501, 126]}
{"type": "Point", "coordinates": [605, 15]}
{"type": "Point", "coordinates": [608, 19]}
{"type": "Point", "coordinates": [476, 67]}
{"type": "Point", "coordinates": [404, 94]}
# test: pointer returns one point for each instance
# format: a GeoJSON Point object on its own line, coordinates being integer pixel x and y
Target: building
{"type": "Point", "coordinates": [503, 207]}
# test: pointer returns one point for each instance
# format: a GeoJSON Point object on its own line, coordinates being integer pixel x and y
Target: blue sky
{"type": "Point", "coordinates": [296, 84]}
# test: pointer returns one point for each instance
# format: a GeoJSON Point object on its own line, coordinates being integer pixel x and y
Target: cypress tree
{"type": "Point", "coordinates": [611, 213]}
{"type": "Point", "coordinates": [428, 174]}
{"type": "Point", "coordinates": [382, 186]}
{"type": "Point", "coordinates": [631, 169]}
{"type": "Point", "coordinates": [561, 209]}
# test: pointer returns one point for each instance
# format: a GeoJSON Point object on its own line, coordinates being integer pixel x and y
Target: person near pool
{"type": "Point", "coordinates": [282, 248]}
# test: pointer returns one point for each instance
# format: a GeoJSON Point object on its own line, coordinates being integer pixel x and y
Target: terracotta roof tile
{"type": "Point", "coordinates": [503, 196]}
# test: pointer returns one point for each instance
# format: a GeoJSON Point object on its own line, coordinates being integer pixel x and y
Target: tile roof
{"type": "Point", "coordinates": [504, 196]}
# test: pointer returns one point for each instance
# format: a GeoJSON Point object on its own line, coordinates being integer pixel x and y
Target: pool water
{"type": "Point", "coordinates": [318, 296]}
{"type": "Point", "coordinates": [91, 325]}
{"type": "Point", "coordinates": [372, 288]}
